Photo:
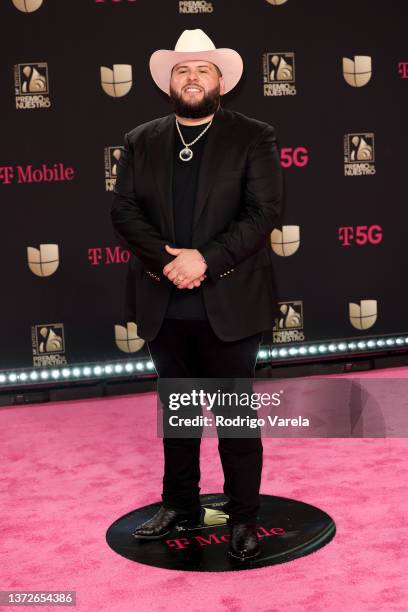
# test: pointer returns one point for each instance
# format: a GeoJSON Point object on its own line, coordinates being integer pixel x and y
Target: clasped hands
{"type": "Point", "coordinates": [187, 270]}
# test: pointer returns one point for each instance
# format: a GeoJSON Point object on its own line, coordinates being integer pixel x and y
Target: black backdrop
{"type": "Point", "coordinates": [80, 303]}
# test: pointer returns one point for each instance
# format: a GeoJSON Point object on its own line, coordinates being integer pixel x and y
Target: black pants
{"type": "Point", "coordinates": [188, 349]}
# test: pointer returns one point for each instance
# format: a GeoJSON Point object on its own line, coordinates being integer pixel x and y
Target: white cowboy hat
{"type": "Point", "coordinates": [195, 45]}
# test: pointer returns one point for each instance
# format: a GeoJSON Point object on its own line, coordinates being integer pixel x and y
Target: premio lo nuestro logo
{"type": "Point", "coordinates": [359, 154]}
{"type": "Point", "coordinates": [48, 344]}
{"type": "Point", "coordinates": [285, 242]}
{"type": "Point", "coordinates": [31, 86]}
{"type": "Point", "coordinates": [279, 74]}
{"type": "Point", "coordinates": [195, 6]}
{"type": "Point", "coordinates": [357, 72]}
{"type": "Point", "coordinates": [112, 156]}
{"type": "Point", "coordinates": [116, 81]}
{"type": "Point", "coordinates": [27, 6]}
{"type": "Point", "coordinates": [363, 315]}
{"type": "Point", "coordinates": [43, 261]}
{"type": "Point", "coordinates": [289, 324]}
{"type": "Point", "coordinates": [126, 338]}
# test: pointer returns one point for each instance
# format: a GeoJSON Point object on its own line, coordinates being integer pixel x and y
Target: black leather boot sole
{"type": "Point", "coordinates": [244, 557]}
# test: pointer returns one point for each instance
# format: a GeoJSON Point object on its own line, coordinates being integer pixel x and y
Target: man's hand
{"type": "Point", "coordinates": [187, 269]}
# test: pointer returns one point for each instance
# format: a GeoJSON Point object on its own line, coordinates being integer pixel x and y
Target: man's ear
{"type": "Point", "coordinates": [222, 86]}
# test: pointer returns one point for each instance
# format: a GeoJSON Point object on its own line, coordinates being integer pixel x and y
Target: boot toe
{"type": "Point", "coordinates": [244, 542]}
{"type": "Point", "coordinates": [162, 523]}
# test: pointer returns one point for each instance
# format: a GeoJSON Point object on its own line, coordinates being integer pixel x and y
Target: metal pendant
{"type": "Point", "coordinates": [186, 154]}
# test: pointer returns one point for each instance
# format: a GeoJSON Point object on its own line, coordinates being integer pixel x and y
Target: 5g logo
{"type": "Point", "coordinates": [294, 157]}
{"type": "Point", "coordinates": [360, 234]}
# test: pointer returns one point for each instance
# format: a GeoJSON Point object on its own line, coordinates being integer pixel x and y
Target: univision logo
{"type": "Point", "coordinates": [357, 72]}
{"type": "Point", "coordinates": [43, 261]}
{"type": "Point", "coordinates": [212, 517]}
{"type": "Point", "coordinates": [126, 338]}
{"type": "Point", "coordinates": [116, 81]}
{"type": "Point", "coordinates": [27, 6]}
{"type": "Point", "coordinates": [285, 242]}
{"type": "Point", "coordinates": [363, 315]}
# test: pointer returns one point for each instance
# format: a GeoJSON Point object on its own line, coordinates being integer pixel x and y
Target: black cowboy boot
{"type": "Point", "coordinates": [162, 523]}
{"type": "Point", "coordinates": [244, 543]}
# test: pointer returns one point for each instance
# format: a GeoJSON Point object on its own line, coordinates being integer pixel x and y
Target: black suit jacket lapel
{"type": "Point", "coordinates": [160, 151]}
{"type": "Point", "coordinates": [214, 151]}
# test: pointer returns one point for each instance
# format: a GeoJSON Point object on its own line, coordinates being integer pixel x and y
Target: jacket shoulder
{"type": "Point", "coordinates": [250, 128]}
{"type": "Point", "coordinates": [144, 129]}
{"type": "Point", "coordinates": [248, 122]}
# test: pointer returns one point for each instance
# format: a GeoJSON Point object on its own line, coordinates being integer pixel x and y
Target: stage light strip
{"type": "Point", "coordinates": [344, 347]}
{"type": "Point", "coordinates": [145, 367]}
{"type": "Point", "coordinates": [41, 375]}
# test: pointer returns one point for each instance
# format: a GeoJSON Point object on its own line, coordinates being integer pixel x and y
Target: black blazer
{"type": "Point", "coordinates": [238, 204]}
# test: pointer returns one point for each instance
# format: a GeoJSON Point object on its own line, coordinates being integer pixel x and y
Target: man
{"type": "Point", "coordinates": [197, 196]}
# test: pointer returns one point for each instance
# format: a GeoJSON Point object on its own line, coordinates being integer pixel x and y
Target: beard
{"type": "Point", "coordinates": [208, 104]}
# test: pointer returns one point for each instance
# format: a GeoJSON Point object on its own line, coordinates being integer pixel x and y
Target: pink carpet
{"type": "Point", "coordinates": [71, 468]}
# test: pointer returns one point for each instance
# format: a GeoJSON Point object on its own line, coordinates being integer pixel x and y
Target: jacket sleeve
{"type": "Point", "coordinates": [130, 222]}
{"type": "Point", "coordinates": [260, 214]}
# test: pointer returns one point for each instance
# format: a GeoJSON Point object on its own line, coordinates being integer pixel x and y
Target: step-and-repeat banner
{"type": "Point", "coordinates": [331, 76]}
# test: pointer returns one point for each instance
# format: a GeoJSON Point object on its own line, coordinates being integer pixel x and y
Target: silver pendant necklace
{"type": "Point", "coordinates": [186, 154]}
